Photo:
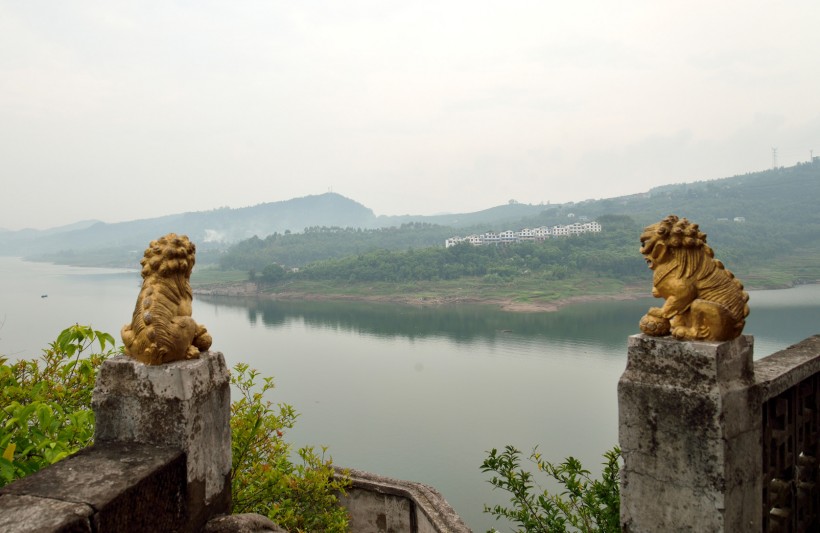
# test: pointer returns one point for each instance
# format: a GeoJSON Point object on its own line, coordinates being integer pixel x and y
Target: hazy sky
{"type": "Point", "coordinates": [125, 110]}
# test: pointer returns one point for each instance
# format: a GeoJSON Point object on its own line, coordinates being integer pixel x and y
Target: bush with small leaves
{"type": "Point", "coordinates": [46, 404]}
{"type": "Point", "coordinates": [298, 496]}
{"type": "Point", "coordinates": [587, 505]}
{"type": "Point", "coordinates": [46, 416]}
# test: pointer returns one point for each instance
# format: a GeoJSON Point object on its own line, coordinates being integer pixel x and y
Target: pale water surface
{"type": "Point", "coordinates": [410, 392]}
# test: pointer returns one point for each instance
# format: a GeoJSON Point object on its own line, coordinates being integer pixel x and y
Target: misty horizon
{"type": "Point", "coordinates": [120, 112]}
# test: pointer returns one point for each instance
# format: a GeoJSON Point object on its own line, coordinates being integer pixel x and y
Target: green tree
{"type": "Point", "coordinates": [273, 273]}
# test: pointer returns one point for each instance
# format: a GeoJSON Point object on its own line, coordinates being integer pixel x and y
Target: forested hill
{"type": "Point", "coordinates": [756, 218]}
{"type": "Point", "coordinates": [97, 243]}
{"type": "Point", "coordinates": [214, 229]}
{"type": "Point", "coordinates": [778, 207]}
{"type": "Point", "coordinates": [784, 195]}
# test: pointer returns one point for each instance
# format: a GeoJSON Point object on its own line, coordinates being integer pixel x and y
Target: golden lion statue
{"type": "Point", "coordinates": [704, 301]}
{"type": "Point", "coordinates": [162, 329]}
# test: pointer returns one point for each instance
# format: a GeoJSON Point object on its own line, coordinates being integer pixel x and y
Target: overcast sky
{"type": "Point", "coordinates": [126, 110]}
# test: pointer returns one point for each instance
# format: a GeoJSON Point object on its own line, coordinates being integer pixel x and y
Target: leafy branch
{"type": "Point", "coordinates": [585, 504]}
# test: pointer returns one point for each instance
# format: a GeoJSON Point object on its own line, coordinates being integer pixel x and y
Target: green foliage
{"type": "Point", "coordinates": [320, 242]}
{"type": "Point", "coordinates": [298, 496]}
{"type": "Point", "coordinates": [46, 416]}
{"type": "Point", "coordinates": [46, 405]}
{"type": "Point", "coordinates": [273, 273]}
{"type": "Point", "coordinates": [584, 505]}
{"type": "Point", "coordinates": [613, 254]}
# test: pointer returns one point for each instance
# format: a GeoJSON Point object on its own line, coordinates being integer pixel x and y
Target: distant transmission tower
{"type": "Point", "coordinates": [774, 158]}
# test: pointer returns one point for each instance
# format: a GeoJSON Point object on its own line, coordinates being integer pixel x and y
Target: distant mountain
{"type": "Point", "coordinates": [494, 217]}
{"type": "Point", "coordinates": [60, 229]}
{"type": "Point", "coordinates": [787, 197]}
{"type": "Point", "coordinates": [211, 230]}
{"type": "Point", "coordinates": [12, 242]}
{"type": "Point", "coordinates": [99, 243]}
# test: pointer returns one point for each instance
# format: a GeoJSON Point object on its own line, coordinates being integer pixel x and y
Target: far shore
{"type": "Point", "coordinates": [250, 289]}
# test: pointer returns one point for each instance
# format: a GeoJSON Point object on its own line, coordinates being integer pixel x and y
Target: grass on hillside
{"type": "Point", "coordinates": [214, 276]}
{"type": "Point", "coordinates": [520, 290]}
{"type": "Point", "coordinates": [801, 266]}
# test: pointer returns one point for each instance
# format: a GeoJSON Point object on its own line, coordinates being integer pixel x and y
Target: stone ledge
{"type": "Point", "coordinates": [437, 515]}
{"type": "Point", "coordinates": [178, 380]}
{"type": "Point", "coordinates": [784, 369]}
{"type": "Point", "coordinates": [119, 487]}
{"type": "Point", "coordinates": [689, 365]}
{"type": "Point", "coordinates": [25, 514]}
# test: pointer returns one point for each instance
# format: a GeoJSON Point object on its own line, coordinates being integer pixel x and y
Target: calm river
{"type": "Point", "coordinates": [417, 393]}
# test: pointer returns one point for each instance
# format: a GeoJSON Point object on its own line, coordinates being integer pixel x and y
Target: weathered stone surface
{"type": "Point", "coordinates": [242, 523]}
{"type": "Point", "coordinates": [185, 404]}
{"type": "Point", "coordinates": [786, 368]}
{"type": "Point", "coordinates": [119, 487]}
{"type": "Point", "coordinates": [29, 514]}
{"type": "Point", "coordinates": [689, 435]}
{"type": "Point", "coordinates": [377, 503]}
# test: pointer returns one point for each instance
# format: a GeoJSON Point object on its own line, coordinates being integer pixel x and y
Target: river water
{"type": "Point", "coordinates": [416, 393]}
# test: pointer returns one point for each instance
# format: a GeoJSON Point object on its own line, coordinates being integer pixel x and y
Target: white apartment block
{"type": "Point", "coordinates": [527, 234]}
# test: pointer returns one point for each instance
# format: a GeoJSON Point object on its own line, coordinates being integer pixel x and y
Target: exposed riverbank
{"type": "Point", "coordinates": [522, 295]}
{"type": "Point", "coordinates": [519, 298]}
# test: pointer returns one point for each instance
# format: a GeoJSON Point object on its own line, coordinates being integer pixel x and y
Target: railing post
{"type": "Point", "coordinates": [690, 430]}
{"type": "Point", "coordinates": [185, 404]}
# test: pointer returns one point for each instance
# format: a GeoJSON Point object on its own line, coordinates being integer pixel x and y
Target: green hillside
{"type": "Point", "coordinates": [765, 226]}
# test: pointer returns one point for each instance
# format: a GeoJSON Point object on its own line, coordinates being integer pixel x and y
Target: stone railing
{"type": "Point", "coordinates": [789, 383]}
{"type": "Point", "coordinates": [380, 504]}
{"type": "Point", "coordinates": [161, 459]}
{"type": "Point", "coordinates": [713, 441]}
{"type": "Point", "coordinates": [161, 462]}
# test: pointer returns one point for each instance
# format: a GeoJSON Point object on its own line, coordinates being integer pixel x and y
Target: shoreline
{"type": "Point", "coordinates": [249, 289]}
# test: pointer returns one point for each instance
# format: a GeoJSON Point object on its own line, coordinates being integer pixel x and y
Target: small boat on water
{"type": "Point", "coordinates": [44, 296]}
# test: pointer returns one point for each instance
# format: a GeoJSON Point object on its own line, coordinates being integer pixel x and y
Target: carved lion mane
{"type": "Point", "coordinates": [161, 329]}
{"type": "Point", "coordinates": [704, 300]}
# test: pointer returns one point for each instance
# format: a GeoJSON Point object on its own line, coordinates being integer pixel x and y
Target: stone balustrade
{"type": "Point", "coordinates": [161, 462]}
{"type": "Point", "coordinates": [713, 441]}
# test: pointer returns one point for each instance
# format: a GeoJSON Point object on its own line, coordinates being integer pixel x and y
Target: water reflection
{"type": "Point", "coordinates": [778, 319]}
{"type": "Point", "coordinates": [601, 323]}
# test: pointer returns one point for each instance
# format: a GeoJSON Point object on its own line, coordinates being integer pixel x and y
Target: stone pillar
{"type": "Point", "coordinates": [690, 436]}
{"type": "Point", "coordinates": [185, 404]}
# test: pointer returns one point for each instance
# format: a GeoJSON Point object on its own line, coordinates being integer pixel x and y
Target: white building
{"type": "Point", "coordinates": [526, 234]}
{"type": "Point", "coordinates": [507, 237]}
{"type": "Point", "coordinates": [541, 233]}
{"type": "Point", "coordinates": [490, 238]}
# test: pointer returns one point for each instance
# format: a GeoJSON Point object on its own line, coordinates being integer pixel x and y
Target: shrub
{"type": "Point", "coordinates": [585, 504]}
{"type": "Point", "coordinates": [46, 408]}
{"type": "Point", "coordinates": [46, 416]}
{"type": "Point", "coordinates": [297, 496]}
